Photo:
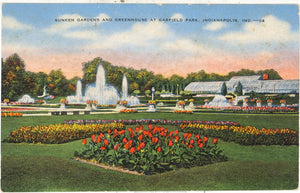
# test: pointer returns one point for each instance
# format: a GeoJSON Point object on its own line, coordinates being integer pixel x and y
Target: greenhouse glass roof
{"type": "Point", "coordinates": [249, 84]}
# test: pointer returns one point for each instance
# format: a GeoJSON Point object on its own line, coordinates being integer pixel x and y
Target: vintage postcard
{"type": "Point", "coordinates": [149, 97]}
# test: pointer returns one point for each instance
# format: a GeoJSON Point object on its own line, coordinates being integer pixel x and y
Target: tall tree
{"type": "Point", "coordinates": [13, 78]}
{"type": "Point", "coordinates": [273, 74]}
{"type": "Point", "coordinates": [58, 84]}
{"type": "Point", "coordinates": [41, 81]}
{"type": "Point", "coordinates": [224, 89]}
{"type": "Point", "coordinates": [30, 83]}
{"type": "Point", "coordinates": [239, 89]}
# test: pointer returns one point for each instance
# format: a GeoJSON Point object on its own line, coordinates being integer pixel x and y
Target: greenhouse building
{"type": "Point", "coordinates": [256, 83]}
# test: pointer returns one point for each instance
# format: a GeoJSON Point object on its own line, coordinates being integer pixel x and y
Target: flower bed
{"type": "Point", "coordinates": [184, 111]}
{"type": "Point", "coordinates": [128, 111]}
{"type": "Point", "coordinates": [245, 135]}
{"type": "Point", "coordinates": [140, 105]}
{"type": "Point", "coordinates": [17, 109]}
{"type": "Point", "coordinates": [252, 109]}
{"type": "Point", "coordinates": [106, 106]}
{"type": "Point", "coordinates": [11, 114]}
{"type": "Point", "coordinates": [150, 121]}
{"type": "Point", "coordinates": [151, 150]}
{"type": "Point", "coordinates": [58, 133]}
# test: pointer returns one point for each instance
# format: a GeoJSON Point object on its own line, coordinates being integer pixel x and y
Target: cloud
{"type": "Point", "coordinates": [185, 45]}
{"type": "Point", "coordinates": [74, 28]}
{"type": "Point", "coordinates": [82, 34]}
{"type": "Point", "coordinates": [62, 26]}
{"type": "Point", "coordinates": [271, 30]}
{"type": "Point", "coordinates": [11, 23]}
{"type": "Point", "coordinates": [177, 16]}
{"type": "Point", "coordinates": [214, 26]}
{"type": "Point", "coordinates": [8, 48]}
{"type": "Point", "coordinates": [140, 34]}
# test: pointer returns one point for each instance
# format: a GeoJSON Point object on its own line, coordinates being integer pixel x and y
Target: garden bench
{"type": "Point", "coordinates": [63, 112]}
{"type": "Point", "coordinates": [55, 113]}
{"type": "Point", "coordinates": [74, 112]}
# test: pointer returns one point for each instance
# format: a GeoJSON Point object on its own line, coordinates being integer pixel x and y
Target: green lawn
{"type": "Point", "coordinates": [41, 167]}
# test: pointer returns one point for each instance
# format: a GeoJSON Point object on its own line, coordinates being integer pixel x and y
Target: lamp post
{"type": "Point", "coordinates": [153, 90]}
{"type": "Point", "coordinates": [177, 88]}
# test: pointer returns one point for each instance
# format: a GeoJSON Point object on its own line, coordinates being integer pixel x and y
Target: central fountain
{"type": "Point", "coordinates": [101, 92]}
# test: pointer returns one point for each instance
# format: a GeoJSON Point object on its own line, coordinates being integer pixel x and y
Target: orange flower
{"type": "Point", "coordinates": [116, 132]}
{"type": "Point", "coordinates": [130, 130]}
{"type": "Point", "coordinates": [116, 147]}
{"type": "Point", "coordinates": [192, 141]}
{"type": "Point", "coordinates": [98, 139]}
{"type": "Point", "coordinates": [177, 138]}
{"type": "Point", "coordinates": [101, 135]}
{"type": "Point", "coordinates": [190, 146]}
{"type": "Point", "coordinates": [137, 129]}
{"type": "Point", "coordinates": [132, 150]}
{"type": "Point", "coordinates": [140, 137]}
{"type": "Point", "coordinates": [215, 140]}
{"type": "Point", "coordinates": [121, 132]}
{"type": "Point", "coordinates": [125, 140]}
{"type": "Point", "coordinates": [170, 143]}
{"type": "Point", "coordinates": [141, 146]}
{"type": "Point", "coordinates": [145, 132]}
{"type": "Point", "coordinates": [84, 141]}
{"type": "Point", "coordinates": [201, 145]}
{"type": "Point", "coordinates": [150, 127]}
{"type": "Point", "coordinates": [132, 135]}
{"type": "Point", "coordinates": [106, 142]}
{"type": "Point", "coordinates": [176, 132]}
{"type": "Point", "coordinates": [130, 141]}
{"type": "Point", "coordinates": [93, 138]}
{"type": "Point", "coordinates": [154, 140]}
{"type": "Point", "coordinates": [185, 135]}
{"type": "Point", "coordinates": [163, 134]}
{"type": "Point", "coordinates": [103, 148]}
{"type": "Point", "coordinates": [109, 131]}
{"type": "Point", "coordinates": [127, 145]}
{"type": "Point", "coordinates": [205, 139]}
{"type": "Point", "coordinates": [158, 149]}
{"type": "Point", "coordinates": [199, 141]}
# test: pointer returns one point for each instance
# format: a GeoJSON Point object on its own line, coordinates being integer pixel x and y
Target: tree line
{"type": "Point", "coordinates": [16, 81]}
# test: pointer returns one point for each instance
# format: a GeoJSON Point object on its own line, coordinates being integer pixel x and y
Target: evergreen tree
{"type": "Point", "coordinates": [224, 89]}
{"type": "Point", "coordinates": [239, 89]}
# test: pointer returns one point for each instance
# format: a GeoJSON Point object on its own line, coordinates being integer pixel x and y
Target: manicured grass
{"type": "Point", "coordinates": [39, 167]}
{"type": "Point", "coordinates": [43, 167]}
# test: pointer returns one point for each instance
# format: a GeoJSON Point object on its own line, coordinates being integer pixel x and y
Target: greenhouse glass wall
{"type": "Point", "coordinates": [249, 84]}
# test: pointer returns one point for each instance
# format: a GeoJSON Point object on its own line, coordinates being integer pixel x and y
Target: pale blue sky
{"type": "Point", "coordinates": [32, 26]}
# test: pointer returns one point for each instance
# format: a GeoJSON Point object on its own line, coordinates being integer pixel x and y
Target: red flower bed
{"type": "Point", "coordinates": [151, 150]}
{"type": "Point", "coordinates": [17, 109]}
